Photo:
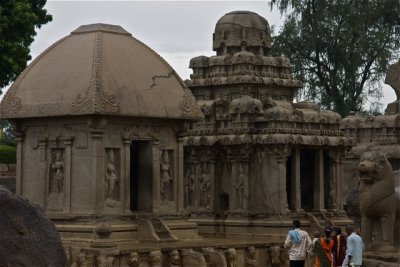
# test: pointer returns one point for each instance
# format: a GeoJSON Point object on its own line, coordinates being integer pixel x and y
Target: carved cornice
{"type": "Point", "coordinates": [246, 79]}
{"type": "Point", "coordinates": [267, 139]}
{"type": "Point", "coordinates": [96, 99]}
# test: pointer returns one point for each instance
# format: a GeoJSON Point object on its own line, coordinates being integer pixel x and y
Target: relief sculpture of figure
{"type": "Point", "coordinates": [205, 187]}
{"type": "Point", "coordinates": [239, 187]}
{"type": "Point", "coordinates": [111, 176]}
{"type": "Point", "coordinates": [189, 187]}
{"type": "Point", "coordinates": [58, 170]}
{"type": "Point", "coordinates": [166, 178]}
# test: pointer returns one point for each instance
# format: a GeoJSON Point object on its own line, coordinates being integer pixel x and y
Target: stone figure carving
{"type": "Point", "coordinates": [205, 189]}
{"type": "Point", "coordinates": [156, 258]}
{"type": "Point", "coordinates": [111, 175]}
{"type": "Point", "coordinates": [133, 259]}
{"type": "Point", "coordinates": [189, 187]}
{"type": "Point", "coordinates": [231, 257]}
{"type": "Point", "coordinates": [57, 166]}
{"type": "Point", "coordinates": [83, 260]}
{"type": "Point", "coordinates": [165, 176]}
{"type": "Point", "coordinates": [377, 199]}
{"type": "Point", "coordinates": [175, 260]}
{"type": "Point", "coordinates": [275, 255]}
{"type": "Point", "coordinates": [251, 257]}
{"type": "Point", "coordinates": [105, 260]}
{"type": "Point", "coordinates": [239, 188]}
{"type": "Point", "coordinates": [214, 257]}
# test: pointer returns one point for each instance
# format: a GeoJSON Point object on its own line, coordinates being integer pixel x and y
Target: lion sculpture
{"type": "Point", "coordinates": [377, 200]}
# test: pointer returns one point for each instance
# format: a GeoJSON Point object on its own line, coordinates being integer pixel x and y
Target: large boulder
{"type": "Point", "coordinates": [27, 237]}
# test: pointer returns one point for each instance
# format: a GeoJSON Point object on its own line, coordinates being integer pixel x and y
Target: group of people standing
{"type": "Point", "coordinates": [329, 250]}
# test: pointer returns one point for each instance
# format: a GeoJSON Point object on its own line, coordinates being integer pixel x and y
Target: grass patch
{"type": "Point", "coordinates": [8, 154]}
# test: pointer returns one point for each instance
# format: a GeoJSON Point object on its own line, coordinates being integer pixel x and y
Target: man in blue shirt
{"type": "Point", "coordinates": [355, 247]}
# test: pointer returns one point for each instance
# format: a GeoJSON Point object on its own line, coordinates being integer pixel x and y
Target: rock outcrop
{"type": "Point", "coordinates": [27, 237]}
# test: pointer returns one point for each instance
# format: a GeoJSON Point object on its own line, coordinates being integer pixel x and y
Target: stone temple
{"type": "Point", "coordinates": [136, 167]}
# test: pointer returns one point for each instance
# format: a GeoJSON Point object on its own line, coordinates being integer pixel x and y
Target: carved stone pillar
{"type": "Point", "coordinates": [156, 176]}
{"type": "Point", "coordinates": [197, 186]}
{"type": "Point", "coordinates": [97, 169]}
{"type": "Point", "coordinates": [281, 154]}
{"type": "Point", "coordinates": [179, 185]}
{"type": "Point", "coordinates": [213, 184]}
{"type": "Point", "coordinates": [295, 181]}
{"type": "Point", "coordinates": [18, 183]}
{"type": "Point", "coordinates": [333, 180]}
{"type": "Point", "coordinates": [43, 167]}
{"type": "Point", "coordinates": [234, 175]}
{"type": "Point", "coordinates": [125, 177]}
{"type": "Point", "coordinates": [67, 175]}
{"type": "Point", "coordinates": [319, 181]}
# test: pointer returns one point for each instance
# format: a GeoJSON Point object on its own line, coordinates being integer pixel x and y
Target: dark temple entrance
{"type": "Point", "coordinates": [307, 178]}
{"type": "Point", "coordinates": [141, 176]}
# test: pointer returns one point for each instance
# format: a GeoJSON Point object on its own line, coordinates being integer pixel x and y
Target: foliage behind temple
{"type": "Point", "coordinates": [341, 49]}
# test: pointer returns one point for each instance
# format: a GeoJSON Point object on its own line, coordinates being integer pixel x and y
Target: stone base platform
{"type": "Point", "coordinates": [221, 252]}
{"type": "Point", "coordinates": [382, 259]}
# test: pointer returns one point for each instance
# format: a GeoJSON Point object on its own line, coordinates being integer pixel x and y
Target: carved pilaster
{"type": "Point", "coordinates": [125, 177]}
{"type": "Point", "coordinates": [333, 180]}
{"type": "Point", "coordinates": [295, 181]}
{"type": "Point", "coordinates": [20, 142]}
{"type": "Point", "coordinates": [67, 175]}
{"type": "Point", "coordinates": [281, 154]}
{"type": "Point", "coordinates": [180, 181]}
{"type": "Point", "coordinates": [319, 181]}
{"type": "Point", "coordinates": [43, 166]}
{"type": "Point", "coordinates": [97, 169]}
{"type": "Point", "coordinates": [156, 176]}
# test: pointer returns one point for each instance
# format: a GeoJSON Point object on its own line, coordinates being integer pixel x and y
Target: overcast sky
{"type": "Point", "coordinates": [177, 30]}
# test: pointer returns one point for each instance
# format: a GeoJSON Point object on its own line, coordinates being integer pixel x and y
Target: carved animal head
{"type": "Point", "coordinates": [374, 167]}
{"type": "Point", "coordinates": [156, 256]}
{"type": "Point", "coordinates": [275, 252]}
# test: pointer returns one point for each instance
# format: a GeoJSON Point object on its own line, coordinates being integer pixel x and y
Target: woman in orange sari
{"type": "Point", "coordinates": [323, 250]}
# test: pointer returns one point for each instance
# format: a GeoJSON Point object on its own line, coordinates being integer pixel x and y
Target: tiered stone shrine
{"type": "Point", "coordinates": [258, 158]}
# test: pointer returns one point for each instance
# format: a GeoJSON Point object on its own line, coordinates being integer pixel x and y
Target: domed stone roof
{"type": "Point", "coordinates": [99, 69]}
{"type": "Point", "coordinates": [241, 28]}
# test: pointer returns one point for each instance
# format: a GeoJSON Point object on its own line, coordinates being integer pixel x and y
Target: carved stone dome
{"type": "Point", "coordinates": [99, 69]}
{"type": "Point", "coordinates": [240, 30]}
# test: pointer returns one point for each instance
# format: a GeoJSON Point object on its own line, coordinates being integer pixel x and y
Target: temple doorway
{"type": "Point", "coordinates": [141, 176]}
{"type": "Point", "coordinates": [307, 178]}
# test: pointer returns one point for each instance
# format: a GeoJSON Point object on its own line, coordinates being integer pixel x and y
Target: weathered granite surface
{"type": "Point", "coordinates": [27, 237]}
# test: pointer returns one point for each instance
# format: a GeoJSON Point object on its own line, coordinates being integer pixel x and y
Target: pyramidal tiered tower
{"type": "Point", "coordinates": [257, 155]}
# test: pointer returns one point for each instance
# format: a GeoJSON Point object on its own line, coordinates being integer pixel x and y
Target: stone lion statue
{"type": "Point", "coordinates": [377, 200]}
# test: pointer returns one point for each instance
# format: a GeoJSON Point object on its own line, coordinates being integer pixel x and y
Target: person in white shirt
{"type": "Point", "coordinates": [299, 244]}
{"type": "Point", "coordinates": [354, 248]}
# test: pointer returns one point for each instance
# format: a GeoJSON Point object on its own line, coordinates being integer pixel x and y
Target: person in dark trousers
{"type": "Point", "coordinates": [299, 244]}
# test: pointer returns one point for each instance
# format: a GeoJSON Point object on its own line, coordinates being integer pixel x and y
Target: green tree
{"type": "Point", "coordinates": [340, 48]}
{"type": "Point", "coordinates": [18, 22]}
